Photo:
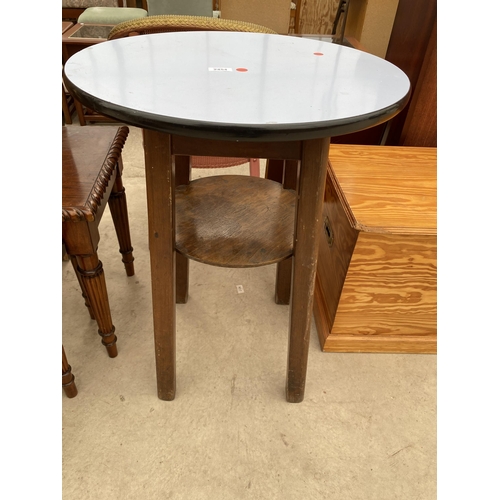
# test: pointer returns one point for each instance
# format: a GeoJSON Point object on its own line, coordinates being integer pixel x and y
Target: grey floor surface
{"type": "Point", "coordinates": [366, 429]}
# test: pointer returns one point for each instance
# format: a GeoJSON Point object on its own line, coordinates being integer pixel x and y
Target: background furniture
{"type": "Point", "coordinates": [72, 9]}
{"type": "Point", "coordinates": [179, 7]}
{"type": "Point", "coordinates": [376, 282]}
{"type": "Point", "coordinates": [274, 15]}
{"type": "Point", "coordinates": [74, 39]}
{"type": "Point", "coordinates": [294, 26]}
{"type": "Point", "coordinates": [91, 178]}
{"type": "Point", "coordinates": [68, 379]}
{"type": "Point", "coordinates": [68, 105]}
{"type": "Point", "coordinates": [110, 15]}
{"type": "Point", "coordinates": [257, 120]}
{"type": "Point", "coordinates": [171, 23]}
{"type": "Point", "coordinates": [413, 48]}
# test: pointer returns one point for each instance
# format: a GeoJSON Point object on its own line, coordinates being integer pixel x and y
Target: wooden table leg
{"type": "Point", "coordinates": [160, 189]}
{"type": "Point", "coordinates": [89, 268]}
{"type": "Point", "coordinates": [310, 190]}
{"type": "Point", "coordinates": [182, 177]}
{"type": "Point", "coordinates": [284, 268]}
{"type": "Point", "coordinates": [118, 207]}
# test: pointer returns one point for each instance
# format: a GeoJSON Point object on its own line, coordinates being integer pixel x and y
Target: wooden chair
{"type": "Point", "coordinates": [72, 9]}
{"type": "Point", "coordinates": [91, 179]}
{"type": "Point", "coordinates": [170, 23]}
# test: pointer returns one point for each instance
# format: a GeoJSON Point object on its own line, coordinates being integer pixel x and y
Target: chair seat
{"type": "Point", "coordinates": [110, 15]}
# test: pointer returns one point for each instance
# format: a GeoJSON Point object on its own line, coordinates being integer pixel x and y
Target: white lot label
{"type": "Point", "coordinates": [220, 69]}
{"type": "Point", "coordinates": [239, 288]}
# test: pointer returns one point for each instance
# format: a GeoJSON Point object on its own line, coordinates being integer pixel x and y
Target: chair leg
{"type": "Point", "coordinates": [80, 112]}
{"type": "Point", "coordinates": [82, 287]}
{"type": "Point", "coordinates": [182, 177]}
{"type": "Point", "coordinates": [68, 379]}
{"type": "Point", "coordinates": [118, 207]}
{"type": "Point", "coordinates": [89, 268]}
{"type": "Point", "coordinates": [254, 167]}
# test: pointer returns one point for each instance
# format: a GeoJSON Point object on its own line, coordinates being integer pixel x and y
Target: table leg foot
{"type": "Point", "coordinates": [68, 379]}
{"type": "Point", "coordinates": [89, 267]}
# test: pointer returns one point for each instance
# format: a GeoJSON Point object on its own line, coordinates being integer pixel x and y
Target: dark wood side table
{"type": "Point", "coordinates": [68, 105]}
{"type": "Point", "coordinates": [229, 94]}
{"type": "Point", "coordinates": [66, 25]}
{"type": "Point", "coordinates": [78, 37]}
{"type": "Point", "coordinates": [92, 167]}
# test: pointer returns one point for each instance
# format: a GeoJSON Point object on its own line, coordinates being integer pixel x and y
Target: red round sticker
{"type": "Point", "coordinates": [241, 69]}
{"type": "Point", "coordinates": [318, 53]}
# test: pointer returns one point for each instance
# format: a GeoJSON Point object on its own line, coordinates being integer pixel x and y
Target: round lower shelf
{"type": "Point", "coordinates": [235, 221]}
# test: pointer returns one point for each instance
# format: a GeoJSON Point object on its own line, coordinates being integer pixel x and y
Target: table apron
{"type": "Point", "coordinates": [280, 150]}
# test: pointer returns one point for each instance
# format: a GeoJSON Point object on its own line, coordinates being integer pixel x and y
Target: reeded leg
{"type": "Point", "coordinates": [182, 177]}
{"type": "Point", "coordinates": [118, 207]}
{"type": "Point", "coordinates": [289, 173]}
{"type": "Point", "coordinates": [310, 192]}
{"type": "Point", "coordinates": [68, 380]}
{"type": "Point", "coordinates": [160, 189]}
{"type": "Point", "coordinates": [90, 270]}
{"type": "Point", "coordinates": [82, 287]}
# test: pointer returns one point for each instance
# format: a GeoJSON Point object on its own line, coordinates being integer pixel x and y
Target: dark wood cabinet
{"type": "Point", "coordinates": [413, 48]}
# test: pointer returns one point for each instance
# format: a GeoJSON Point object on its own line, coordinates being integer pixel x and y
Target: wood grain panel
{"type": "Point", "coordinates": [408, 45]}
{"type": "Point", "coordinates": [274, 15]}
{"type": "Point", "coordinates": [420, 127]}
{"type": "Point", "coordinates": [390, 287]}
{"type": "Point", "coordinates": [235, 221]}
{"type": "Point", "coordinates": [317, 16]}
{"type": "Point", "coordinates": [333, 261]}
{"type": "Point", "coordinates": [408, 344]}
{"type": "Point", "coordinates": [387, 189]}
{"type": "Point", "coordinates": [376, 287]}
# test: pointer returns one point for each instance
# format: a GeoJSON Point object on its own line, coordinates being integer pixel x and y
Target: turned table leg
{"type": "Point", "coordinates": [310, 189]}
{"type": "Point", "coordinates": [68, 379]}
{"type": "Point", "coordinates": [90, 270]}
{"type": "Point", "coordinates": [160, 189]}
{"type": "Point", "coordinates": [118, 207]}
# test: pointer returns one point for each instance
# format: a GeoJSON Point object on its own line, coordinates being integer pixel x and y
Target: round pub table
{"type": "Point", "coordinates": [244, 95]}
